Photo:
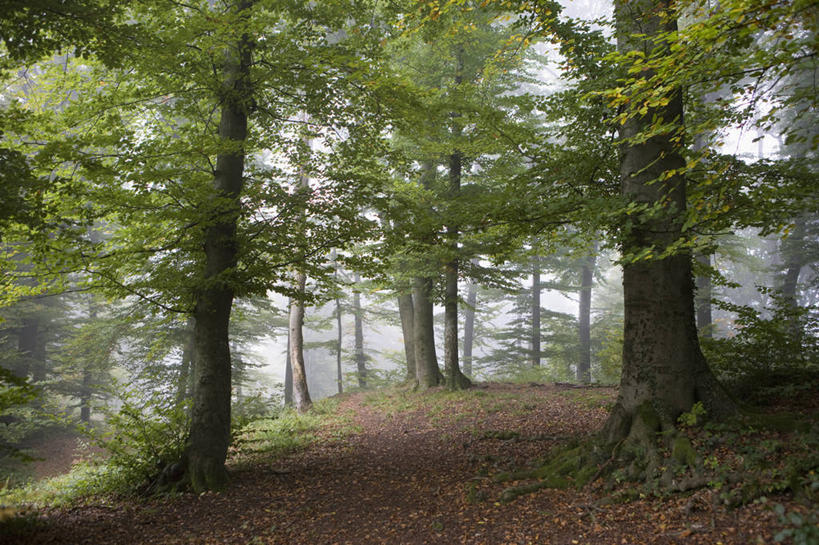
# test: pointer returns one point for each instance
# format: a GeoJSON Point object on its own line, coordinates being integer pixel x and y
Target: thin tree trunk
{"type": "Point", "coordinates": [360, 356]}
{"type": "Point", "coordinates": [535, 341]}
{"type": "Point", "coordinates": [469, 326]}
{"type": "Point", "coordinates": [288, 369]}
{"type": "Point", "coordinates": [301, 395]}
{"type": "Point", "coordinates": [339, 337]}
{"type": "Point", "coordinates": [455, 379]}
{"type": "Point", "coordinates": [584, 316]}
{"type": "Point", "coordinates": [87, 377]}
{"type": "Point", "coordinates": [702, 299]}
{"type": "Point", "coordinates": [793, 256]}
{"type": "Point", "coordinates": [210, 417]}
{"type": "Point", "coordinates": [339, 375]}
{"type": "Point", "coordinates": [27, 340]}
{"type": "Point", "coordinates": [405, 310]}
{"type": "Point", "coordinates": [664, 371]}
{"type": "Point", "coordinates": [183, 382]}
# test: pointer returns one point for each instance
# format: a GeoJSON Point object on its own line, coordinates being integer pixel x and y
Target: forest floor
{"type": "Point", "coordinates": [407, 468]}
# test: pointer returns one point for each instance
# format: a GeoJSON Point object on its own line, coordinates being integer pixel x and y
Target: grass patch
{"type": "Point", "coordinates": [290, 431]}
{"type": "Point", "coordinates": [266, 437]}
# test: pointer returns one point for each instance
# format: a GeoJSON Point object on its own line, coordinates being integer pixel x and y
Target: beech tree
{"type": "Point", "coordinates": [664, 370]}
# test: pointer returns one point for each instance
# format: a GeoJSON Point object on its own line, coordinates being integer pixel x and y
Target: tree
{"type": "Point", "coordinates": [587, 267]}
{"type": "Point", "coordinates": [210, 416]}
{"type": "Point", "coordinates": [664, 371]}
{"type": "Point", "coordinates": [360, 356]}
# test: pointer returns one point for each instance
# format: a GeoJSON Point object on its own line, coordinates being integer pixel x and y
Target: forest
{"type": "Point", "coordinates": [409, 271]}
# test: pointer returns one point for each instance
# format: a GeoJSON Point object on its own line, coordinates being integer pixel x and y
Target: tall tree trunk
{"type": "Point", "coordinates": [426, 362]}
{"type": "Point", "coordinates": [664, 371]}
{"type": "Point", "coordinates": [210, 416]}
{"type": "Point", "coordinates": [702, 299]}
{"type": "Point", "coordinates": [455, 379]}
{"type": "Point", "coordinates": [288, 369]}
{"type": "Point", "coordinates": [584, 316]}
{"type": "Point", "coordinates": [535, 341]}
{"type": "Point", "coordinates": [337, 314]}
{"type": "Point", "coordinates": [301, 395]}
{"type": "Point", "coordinates": [405, 310]}
{"type": "Point", "coordinates": [339, 338]}
{"type": "Point", "coordinates": [27, 340]}
{"type": "Point", "coordinates": [87, 376]}
{"type": "Point", "coordinates": [360, 356]}
{"type": "Point", "coordinates": [183, 381]}
{"type": "Point", "coordinates": [793, 256]}
{"type": "Point", "coordinates": [469, 326]}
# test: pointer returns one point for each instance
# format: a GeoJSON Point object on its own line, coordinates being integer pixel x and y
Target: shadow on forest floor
{"type": "Point", "coordinates": [405, 468]}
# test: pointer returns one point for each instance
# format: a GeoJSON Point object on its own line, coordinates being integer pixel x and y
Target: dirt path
{"type": "Point", "coordinates": [418, 476]}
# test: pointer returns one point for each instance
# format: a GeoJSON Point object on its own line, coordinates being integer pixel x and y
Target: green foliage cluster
{"type": "Point", "coordinates": [287, 430]}
{"type": "Point", "coordinates": [772, 348]}
{"type": "Point", "coordinates": [799, 528]}
{"type": "Point", "coordinates": [141, 440]}
{"type": "Point", "coordinates": [15, 394]}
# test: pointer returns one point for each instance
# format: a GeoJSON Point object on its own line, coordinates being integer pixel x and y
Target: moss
{"type": "Point", "coordinates": [682, 452]}
{"type": "Point", "coordinates": [648, 417]}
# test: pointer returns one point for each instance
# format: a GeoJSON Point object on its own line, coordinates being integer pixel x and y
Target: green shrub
{"type": "Point", "coordinates": [15, 395]}
{"type": "Point", "coordinates": [254, 407]}
{"type": "Point", "coordinates": [141, 439]}
{"type": "Point", "coordinates": [285, 433]}
{"type": "Point", "coordinates": [781, 350]}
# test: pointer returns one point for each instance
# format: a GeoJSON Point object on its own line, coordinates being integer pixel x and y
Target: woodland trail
{"type": "Point", "coordinates": [412, 475]}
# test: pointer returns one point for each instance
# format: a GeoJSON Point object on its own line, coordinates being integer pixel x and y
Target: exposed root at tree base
{"type": "Point", "coordinates": [655, 459]}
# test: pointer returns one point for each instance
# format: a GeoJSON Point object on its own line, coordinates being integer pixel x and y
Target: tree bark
{"type": "Point", "coordinates": [405, 310]}
{"type": "Point", "coordinates": [469, 326]}
{"type": "Point", "coordinates": [27, 346]}
{"type": "Point", "coordinates": [183, 381]}
{"type": "Point", "coordinates": [210, 416]}
{"type": "Point", "coordinates": [702, 299]}
{"type": "Point", "coordinates": [793, 254]}
{"type": "Point", "coordinates": [664, 371]}
{"type": "Point", "coordinates": [535, 341]}
{"type": "Point", "coordinates": [584, 316]}
{"type": "Point", "coordinates": [301, 395]}
{"type": "Point", "coordinates": [360, 356]}
{"type": "Point", "coordinates": [455, 379]}
{"type": "Point", "coordinates": [288, 369]}
{"type": "Point", "coordinates": [339, 338]}
{"type": "Point", "coordinates": [426, 362]}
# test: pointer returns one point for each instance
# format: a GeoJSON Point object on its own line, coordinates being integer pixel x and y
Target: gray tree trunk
{"type": "Point", "coordinates": [455, 379]}
{"type": "Point", "coordinates": [469, 326]}
{"type": "Point", "coordinates": [426, 362]}
{"type": "Point", "coordinates": [210, 416]}
{"type": "Point", "coordinates": [183, 381]}
{"type": "Point", "coordinates": [28, 341]}
{"type": "Point", "coordinates": [405, 310]}
{"type": "Point", "coordinates": [339, 338]}
{"type": "Point", "coordinates": [702, 299]}
{"type": "Point", "coordinates": [664, 371]}
{"type": "Point", "coordinates": [584, 316]}
{"type": "Point", "coordinates": [301, 395]}
{"type": "Point", "coordinates": [360, 356]}
{"type": "Point", "coordinates": [535, 341]}
{"type": "Point", "coordinates": [288, 369]}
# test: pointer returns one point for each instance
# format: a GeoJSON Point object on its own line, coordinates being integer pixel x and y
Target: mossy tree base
{"type": "Point", "coordinates": [742, 458]}
{"type": "Point", "coordinates": [642, 456]}
{"type": "Point", "coordinates": [206, 474]}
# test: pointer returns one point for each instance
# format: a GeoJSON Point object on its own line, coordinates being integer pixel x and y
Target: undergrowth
{"type": "Point", "coordinates": [142, 440]}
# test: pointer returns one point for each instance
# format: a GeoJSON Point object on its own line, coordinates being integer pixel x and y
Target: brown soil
{"type": "Point", "coordinates": [418, 476]}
